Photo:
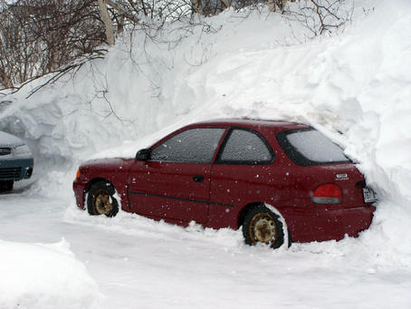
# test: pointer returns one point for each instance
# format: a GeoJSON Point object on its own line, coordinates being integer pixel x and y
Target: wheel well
{"type": "Point", "coordinates": [93, 181]}
{"type": "Point", "coordinates": [245, 210]}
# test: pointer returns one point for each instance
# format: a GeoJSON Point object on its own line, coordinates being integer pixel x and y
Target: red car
{"type": "Point", "coordinates": [277, 180]}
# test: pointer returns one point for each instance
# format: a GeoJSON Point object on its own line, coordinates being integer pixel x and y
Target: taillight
{"type": "Point", "coordinates": [78, 174]}
{"type": "Point", "coordinates": [327, 194]}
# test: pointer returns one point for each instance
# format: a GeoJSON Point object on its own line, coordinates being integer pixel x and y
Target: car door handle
{"type": "Point", "coordinates": [198, 178]}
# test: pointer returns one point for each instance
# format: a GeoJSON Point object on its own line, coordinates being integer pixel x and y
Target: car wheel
{"type": "Point", "coordinates": [6, 185]}
{"type": "Point", "coordinates": [101, 201]}
{"type": "Point", "coordinates": [261, 225]}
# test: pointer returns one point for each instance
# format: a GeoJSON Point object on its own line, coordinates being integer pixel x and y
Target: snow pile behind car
{"type": "Point", "coordinates": [357, 83]}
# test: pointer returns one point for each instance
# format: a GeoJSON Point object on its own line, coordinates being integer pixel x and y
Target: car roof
{"type": "Point", "coordinates": [251, 122]}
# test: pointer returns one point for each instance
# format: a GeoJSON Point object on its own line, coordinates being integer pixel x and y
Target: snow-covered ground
{"type": "Point", "coordinates": [355, 86]}
{"type": "Point", "coordinates": [139, 263]}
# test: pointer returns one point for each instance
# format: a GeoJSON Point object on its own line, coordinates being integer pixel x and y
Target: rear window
{"type": "Point", "coordinates": [310, 147]}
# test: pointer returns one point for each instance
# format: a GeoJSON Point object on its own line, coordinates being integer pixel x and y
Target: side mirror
{"type": "Point", "coordinates": [143, 155]}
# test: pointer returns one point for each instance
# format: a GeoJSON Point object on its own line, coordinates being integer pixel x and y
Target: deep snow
{"type": "Point", "coordinates": [357, 82]}
{"type": "Point", "coordinates": [139, 263]}
{"type": "Point", "coordinates": [44, 276]}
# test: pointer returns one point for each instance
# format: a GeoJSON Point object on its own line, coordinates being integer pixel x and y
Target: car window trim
{"type": "Point", "coordinates": [245, 162]}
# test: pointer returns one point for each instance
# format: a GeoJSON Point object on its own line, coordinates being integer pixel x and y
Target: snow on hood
{"type": "Point", "coordinates": [8, 140]}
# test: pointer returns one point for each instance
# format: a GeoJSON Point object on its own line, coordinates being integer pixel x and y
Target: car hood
{"type": "Point", "coordinates": [107, 164]}
{"type": "Point", "coordinates": [8, 140]}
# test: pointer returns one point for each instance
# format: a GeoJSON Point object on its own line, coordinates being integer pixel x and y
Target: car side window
{"type": "Point", "coordinates": [190, 146]}
{"type": "Point", "coordinates": [245, 147]}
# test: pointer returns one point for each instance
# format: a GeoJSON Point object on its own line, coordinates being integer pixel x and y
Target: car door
{"type": "Point", "coordinates": [241, 174]}
{"type": "Point", "coordinates": [174, 184]}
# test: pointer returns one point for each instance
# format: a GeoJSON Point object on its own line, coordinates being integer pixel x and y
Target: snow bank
{"type": "Point", "coordinates": [130, 95]}
{"type": "Point", "coordinates": [357, 83]}
{"type": "Point", "coordinates": [44, 276]}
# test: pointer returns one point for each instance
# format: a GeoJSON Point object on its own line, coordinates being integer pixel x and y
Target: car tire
{"type": "Point", "coordinates": [6, 185]}
{"type": "Point", "coordinates": [261, 225]}
{"type": "Point", "coordinates": [101, 200]}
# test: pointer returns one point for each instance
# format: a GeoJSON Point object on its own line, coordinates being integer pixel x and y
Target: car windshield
{"type": "Point", "coordinates": [311, 147]}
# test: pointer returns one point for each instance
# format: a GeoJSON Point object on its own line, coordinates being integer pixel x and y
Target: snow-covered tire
{"type": "Point", "coordinates": [101, 201]}
{"type": "Point", "coordinates": [261, 225]}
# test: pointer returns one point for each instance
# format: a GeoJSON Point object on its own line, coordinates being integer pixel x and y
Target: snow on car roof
{"type": "Point", "coordinates": [253, 122]}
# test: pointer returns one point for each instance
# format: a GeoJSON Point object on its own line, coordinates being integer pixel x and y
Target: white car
{"type": "Point", "coordinates": [16, 161]}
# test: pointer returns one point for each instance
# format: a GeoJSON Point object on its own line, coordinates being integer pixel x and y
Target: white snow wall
{"type": "Point", "coordinates": [357, 82]}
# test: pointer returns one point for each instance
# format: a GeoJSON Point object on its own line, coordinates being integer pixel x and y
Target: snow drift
{"type": "Point", "coordinates": [44, 276]}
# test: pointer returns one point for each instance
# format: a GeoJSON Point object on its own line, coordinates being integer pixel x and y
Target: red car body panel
{"type": "Point", "coordinates": [171, 191]}
{"type": "Point", "coordinates": [156, 190]}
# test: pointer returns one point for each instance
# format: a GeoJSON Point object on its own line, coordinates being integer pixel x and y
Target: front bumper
{"type": "Point", "coordinates": [79, 193]}
{"type": "Point", "coordinates": [16, 169]}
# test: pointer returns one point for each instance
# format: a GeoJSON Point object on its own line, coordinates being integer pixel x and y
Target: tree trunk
{"type": "Point", "coordinates": [107, 22]}
{"type": "Point", "coordinates": [197, 6]}
{"type": "Point", "coordinates": [271, 5]}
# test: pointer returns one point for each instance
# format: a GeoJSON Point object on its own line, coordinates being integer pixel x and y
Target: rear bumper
{"type": "Point", "coordinates": [79, 193]}
{"type": "Point", "coordinates": [330, 224]}
{"type": "Point", "coordinates": [16, 169]}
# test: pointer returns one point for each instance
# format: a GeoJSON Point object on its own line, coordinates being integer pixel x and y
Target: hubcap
{"type": "Point", "coordinates": [102, 203]}
{"type": "Point", "coordinates": [263, 229]}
